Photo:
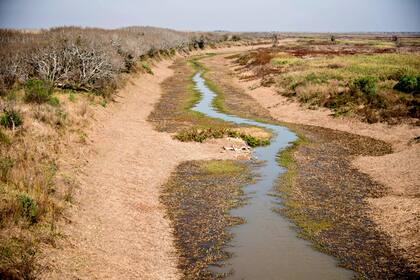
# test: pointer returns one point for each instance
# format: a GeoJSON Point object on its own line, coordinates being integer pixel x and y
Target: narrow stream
{"type": "Point", "coordinates": [266, 247]}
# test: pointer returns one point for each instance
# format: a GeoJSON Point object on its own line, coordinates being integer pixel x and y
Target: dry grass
{"type": "Point", "coordinates": [33, 191]}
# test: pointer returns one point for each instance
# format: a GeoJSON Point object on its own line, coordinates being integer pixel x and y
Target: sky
{"type": "Point", "coordinates": [232, 15]}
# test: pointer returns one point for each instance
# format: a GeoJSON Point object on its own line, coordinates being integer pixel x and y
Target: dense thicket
{"type": "Point", "coordinates": [87, 58]}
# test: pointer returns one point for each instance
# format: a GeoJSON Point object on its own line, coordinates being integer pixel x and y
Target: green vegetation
{"type": "Point", "coordinates": [72, 97]}
{"type": "Point", "coordinates": [222, 167]}
{"type": "Point", "coordinates": [282, 60]}
{"type": "Point", "coordinates": [103, 102]}
{"type": "Point", "coordinates": [200, 135]}
{"type": "Point", "coordinates": [147, 68]}
{"type": "Point", "coordinates": [54, 101]}
{"type": "Point", "coordinates": [253, 141]}
{"type": "Point", "coordinates": [29, 207]}
{"type": "Point", "coordinates": [408, 84]}
{"type": "Point", "coordinates": [368, 86]}
{"type": "Point", "coordinates": [11, 118]}
{"type": "Point", "coordinates": [38, 91]}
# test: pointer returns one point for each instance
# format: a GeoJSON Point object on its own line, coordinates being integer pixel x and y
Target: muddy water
{"type": "Point", "coordinates": [266, 247]}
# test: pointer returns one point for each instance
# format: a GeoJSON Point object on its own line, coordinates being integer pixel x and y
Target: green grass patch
{"type": "Point", "coordinates": [286, 60]}
{"type": "Point", "coordinates": [222, 167]}
{"type": "Point", "coordinates": [201, 134]}
{"type": "Point", "coordinates": [72, 97]}
{"type": "Point", "coordinates": [365, 86]}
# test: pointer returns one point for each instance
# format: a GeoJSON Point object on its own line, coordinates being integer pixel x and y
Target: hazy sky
{"type": "Point", "coordinates": [235, 15]}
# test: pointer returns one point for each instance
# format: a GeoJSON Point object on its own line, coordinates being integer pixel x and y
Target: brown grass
{"type": "Point", "coordinates": [33, 191]}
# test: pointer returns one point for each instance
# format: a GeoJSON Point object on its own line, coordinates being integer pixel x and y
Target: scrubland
{"type": "Point", "coordinates": [373, 79]}
{"type": "Point", "coordinates": [50, 81]}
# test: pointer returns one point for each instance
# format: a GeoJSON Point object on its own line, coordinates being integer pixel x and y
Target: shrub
{"type": "Point", "coordinates": [254, 141]}
{"type": "Point", "coordinates": [366, 85]}
{"type": "Point", "coordinates": [11, 118]}
{"type": "Point", "coordinates": [29, 207]}
{"type": "Point", "coordinates": [129, 63]}
{"type": "Point", "coordinates": [408, 84]}
{"type": "Point", "coordinates": [200, 135]}
{"type": "Point", "coordinates": [236, 38]}
{"type": "Point", "coordinates": [38, 91]}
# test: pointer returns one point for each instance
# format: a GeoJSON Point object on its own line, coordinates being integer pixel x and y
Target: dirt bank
{"type": "Point", "coordinates": [116, 228]}
{"type": "Point", "coordinates": [397, 173]}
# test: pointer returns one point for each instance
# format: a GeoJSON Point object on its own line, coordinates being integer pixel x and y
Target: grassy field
{"type": "Point", "coordinates": [371, 79]}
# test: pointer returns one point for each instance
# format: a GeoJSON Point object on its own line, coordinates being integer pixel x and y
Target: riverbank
{"type": "Point", "coordinates": [116, 225]}
{"type": "Point", "coordinates": [336, 150]}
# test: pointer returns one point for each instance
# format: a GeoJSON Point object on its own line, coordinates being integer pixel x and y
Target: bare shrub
{"type": "Point", "coordinates": [87, 58]}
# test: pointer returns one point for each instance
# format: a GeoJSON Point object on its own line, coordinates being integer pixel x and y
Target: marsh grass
{"type": "Point", "coordinates": [308, 226]}
{"type": "Point", "coordinates": [173, 112]}
{"type": "Point", "coordinates": [198, 200]}
{"type": "Point", "coordinates": [222, 167]}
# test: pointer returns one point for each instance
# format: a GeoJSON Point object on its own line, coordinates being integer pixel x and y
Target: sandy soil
{"type": "Point", "coordinates": [398, 213]}
{"type": "Point", "coordinates": [117, 227]}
